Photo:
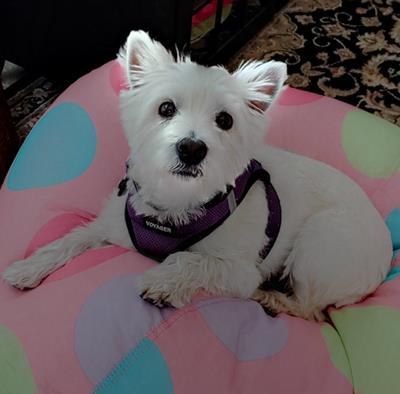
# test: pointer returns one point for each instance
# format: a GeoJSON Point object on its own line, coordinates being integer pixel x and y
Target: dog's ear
{"type": "Point", "coordinates": [262, 82]}
{"type": "Point", "coordinates": [142, 54]}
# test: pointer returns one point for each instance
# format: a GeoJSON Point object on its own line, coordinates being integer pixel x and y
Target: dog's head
{"type": "Point", "coordinates": [191, 129]}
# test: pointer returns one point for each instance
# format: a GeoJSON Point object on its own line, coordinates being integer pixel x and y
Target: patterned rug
{"type": "Point", "coordinates": [347, 49]}
{"type": "Point", "coordinates": [29, 98]}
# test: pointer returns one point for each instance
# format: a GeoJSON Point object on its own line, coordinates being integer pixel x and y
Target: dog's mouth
{"type": "Point", "coordinates": [187, 172]}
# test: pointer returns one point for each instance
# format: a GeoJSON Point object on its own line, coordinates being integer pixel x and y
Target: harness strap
{"type": "Point", "coordinates": [158, 240]}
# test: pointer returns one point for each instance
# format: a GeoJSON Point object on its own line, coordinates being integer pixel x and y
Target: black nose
{"type": "Point", "coordinates": [191, 151]}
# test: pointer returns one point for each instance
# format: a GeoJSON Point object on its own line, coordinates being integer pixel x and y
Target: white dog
{"type": "Point", "coordinates": [192, 132]}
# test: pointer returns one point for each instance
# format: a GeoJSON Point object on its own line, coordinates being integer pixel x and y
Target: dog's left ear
{"type": "Point", "coordinates": [142, 54]}
{"type": "Point", "coordinates": [261, 81]}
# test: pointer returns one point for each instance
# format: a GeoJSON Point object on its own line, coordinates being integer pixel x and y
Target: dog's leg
{"type": "Point", "coordinates": [108, 228]}
{"type": "Point", "coordinates": [181, 275]}
{"type": "Point", "coordinates": [338, 258]}
{"type": "Point", "coordinates": [28, 273]}
{"type": "Point", "coordinates": [275, 302]}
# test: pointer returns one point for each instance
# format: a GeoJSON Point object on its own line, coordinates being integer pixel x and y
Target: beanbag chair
{"type": "Point", "coordinates": [85, 329]}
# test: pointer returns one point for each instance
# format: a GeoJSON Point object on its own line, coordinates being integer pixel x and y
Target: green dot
{"type": "Point", "coordinates": [371, 144]}
{"type": "Point", "coordinates": [336, 350]}
{"type": "Point", "coordinates": [15, 372]}
{"type": "Point", "coordinates": [371, 339]}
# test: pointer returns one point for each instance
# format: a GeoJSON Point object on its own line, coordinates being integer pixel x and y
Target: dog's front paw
{"type": "Point", "coordinates": [161, 288]}
{"type": "Point", "coordinates": [22, 274]}
{"type": "Point", "coordinates": [167, 284]}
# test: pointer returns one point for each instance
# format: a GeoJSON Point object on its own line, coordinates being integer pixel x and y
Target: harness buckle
{"type": "Point", "coordinates": [232, 201]}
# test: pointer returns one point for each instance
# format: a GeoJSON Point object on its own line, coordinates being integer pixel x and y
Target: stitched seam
{"type": "Point", "coordinates": [346, 354]}
{"type": "Point", "coordinates": [121, 368]}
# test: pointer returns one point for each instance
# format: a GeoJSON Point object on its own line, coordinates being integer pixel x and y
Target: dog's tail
{"type": "Point", "coordinates": [28, 273]}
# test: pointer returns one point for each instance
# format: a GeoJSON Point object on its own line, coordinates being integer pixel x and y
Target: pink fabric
{"type": "Point", "coordinates": [96, 291]}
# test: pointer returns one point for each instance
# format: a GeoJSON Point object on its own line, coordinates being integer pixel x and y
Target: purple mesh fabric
{"type": "Point", "coordinates": [158, 240]}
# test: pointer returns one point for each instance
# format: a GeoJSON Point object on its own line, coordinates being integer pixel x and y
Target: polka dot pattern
{"type": "Point", "coordinates": [99, 332]}
{"type": "Point", "coordinates": [393, 274]}
{"type": "Point", "coordinates": [371, 339]}
{"type": "Point", "coordinates": [61, 225]}
{"type": "Point", "coordinates": [56, 228]}
{"type": "Point", "coordinates": [371, 144]}
{"type": "Point", "coordinates": [15, 373]}
{"type": "Point", "coordinates": [118, 79]}
{"type": "Point", "coordinates": [85, 261]}
{"type": "Point", "coordinates": [297, 97]}
{"type": "Point", "coordinates": [245, 329]}
{"type": "Point", "coordinates": [393, 223]}
{"type": "Point", "coordinates": [336, 350]}
{"type": "Point", "coordinates": [70, 139]}
{"type": "Point", "coordinates": [142, 371]}
{"type": "Point", "coordinates": [112, 321]}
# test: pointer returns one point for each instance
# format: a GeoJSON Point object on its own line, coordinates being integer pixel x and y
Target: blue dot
{"type": "Point", "coordinates": [113, 320]}
{"type": "Point", "coordinates": [393, 223]}
{"type": "Point", "coordinates": [59, 148]}
{"type": "Point", "coordinates": [393, 274]}
{"type": "Point", "coordinates": [142, 371]}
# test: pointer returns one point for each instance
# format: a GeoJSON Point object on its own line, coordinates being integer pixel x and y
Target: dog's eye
{"type": "Point", "coordinates": [224, 121]}
{"type": "Point", "coordinates": [167, 109]}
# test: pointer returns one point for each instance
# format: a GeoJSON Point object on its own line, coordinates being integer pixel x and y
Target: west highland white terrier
{"type": "Point", "coordinates": [224, 212]}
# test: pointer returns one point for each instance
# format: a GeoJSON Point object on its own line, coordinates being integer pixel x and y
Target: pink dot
{"type": "Point", "coordinates": [61, 225]}
{"type": "Point", "coordinates": [56, 228]}
{"type": "Point", "coordinates": [85, 261]}
{"type": "Point", "coordinates": [118, 78]}
{"type": "Point", "coordinates": [291, 96]}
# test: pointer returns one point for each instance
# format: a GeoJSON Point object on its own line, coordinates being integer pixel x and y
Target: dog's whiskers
{"type": "Point", "coordinates": [186, 171]}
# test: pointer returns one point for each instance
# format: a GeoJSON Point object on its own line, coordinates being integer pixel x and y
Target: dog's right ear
{"type": "Point", "coordinates": [141, 54]}
{"type": "Point", "coordinates": [262, 82]}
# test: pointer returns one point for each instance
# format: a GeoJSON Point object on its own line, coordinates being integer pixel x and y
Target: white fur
{"type": "Point", "coordinates": [333, 245]}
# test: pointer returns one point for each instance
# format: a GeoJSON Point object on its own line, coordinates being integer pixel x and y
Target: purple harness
{"type": "Point", "coordinates": [158, 240]}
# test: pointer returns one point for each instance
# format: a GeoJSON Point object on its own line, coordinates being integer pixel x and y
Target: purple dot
{"type": "Point", "coordinates": [244, 328]}
{"type": "Point", "coordinates": [113, 320]}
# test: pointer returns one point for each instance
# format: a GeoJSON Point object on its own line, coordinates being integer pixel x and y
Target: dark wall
{"type": "Point", "coordinates": [73, 36]}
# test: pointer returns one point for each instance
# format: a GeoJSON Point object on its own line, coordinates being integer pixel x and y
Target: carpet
{"type": "Point", "coordinates": [346, 49]}
{"type": "Point", "coordinates": [28, 98]}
